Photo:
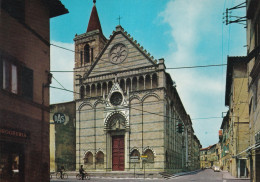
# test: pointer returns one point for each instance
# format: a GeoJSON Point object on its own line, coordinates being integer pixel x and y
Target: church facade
{"type": "Point", "coordinates": [127, 107]}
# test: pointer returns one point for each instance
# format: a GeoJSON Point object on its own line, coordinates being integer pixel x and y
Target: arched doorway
{"type": "Point", "coordinates": [116, 127]}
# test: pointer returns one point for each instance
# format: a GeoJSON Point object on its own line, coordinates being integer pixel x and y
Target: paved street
{"type": "Point", "coordinates": [207, 175]}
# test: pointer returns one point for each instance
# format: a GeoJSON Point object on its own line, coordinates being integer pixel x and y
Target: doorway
{"type": "Point", "coordinates": [118, 153]}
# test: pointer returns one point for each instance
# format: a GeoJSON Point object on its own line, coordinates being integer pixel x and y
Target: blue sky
{"type": "Point", "coordinates": [183, 32]}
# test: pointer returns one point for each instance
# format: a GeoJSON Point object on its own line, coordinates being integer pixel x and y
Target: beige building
{"type": "Point", "coordinates": [209, 157]}
{"type": "Point", "coordinates": [253, 49]}
{"type": "Point", "coordinates": [225, 158]}
{"type": "Point", "coordinates": [127, 107]}
{"type": "Point", "coordinates": [236, 99]}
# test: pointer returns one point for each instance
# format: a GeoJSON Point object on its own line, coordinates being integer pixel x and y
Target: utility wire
{"type": "Point", "coordinates": [58, 82]}
{"type": "Point", "coordinates": [184, 67]}
{"type": "Point", "coordinates": [140, 109]}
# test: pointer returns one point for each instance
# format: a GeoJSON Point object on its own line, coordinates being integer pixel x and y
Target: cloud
{"type": "Point", "coordinates": [61, 60]}
{"type": "Point", "coordinates": [194, 25]}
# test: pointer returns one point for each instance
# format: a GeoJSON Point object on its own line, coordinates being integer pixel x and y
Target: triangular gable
{"type": "Point", "coordinates": [136, 58]}
{"type": "Point", "coordinates": [115, 88]}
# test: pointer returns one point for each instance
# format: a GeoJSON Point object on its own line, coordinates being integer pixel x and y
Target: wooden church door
{"type": "Point", "coordinates": [118, 156]}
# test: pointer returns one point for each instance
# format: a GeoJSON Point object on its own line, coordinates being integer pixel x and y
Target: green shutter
{"type": "Point", "coordinates": [27, 83]}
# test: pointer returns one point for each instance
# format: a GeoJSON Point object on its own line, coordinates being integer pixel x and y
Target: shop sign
{"type": "Point", "coordinates": [59, 118]}
{"type": "Point", "coordinates": [14, 133]}
{"type": "Point", "coordinates": [257, 138]}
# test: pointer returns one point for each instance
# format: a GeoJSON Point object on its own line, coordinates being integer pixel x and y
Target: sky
{"type": "Point", "coordinates": [183, 32]}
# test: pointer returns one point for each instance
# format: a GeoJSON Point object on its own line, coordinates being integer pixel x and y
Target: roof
{"type": "Point", "coordinates": [56, 8]}
{"type": "Point", "coordinates": [231, 61]}
{"type": "Point", "coordinates": [209, 147]}
{"type": "Point", "coordinates": [94, 23]}
{"type": "Point", "coordinates": [120, 30]}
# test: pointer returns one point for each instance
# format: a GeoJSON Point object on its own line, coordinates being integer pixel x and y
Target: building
{"type": "Point", "coordinates": [24, 92]}
{"type": "Point", "coordinates": [236, 97]}
{"type": "Point", "coordinates": [204, 158]}
{"type": "Point", "coordinates": [63, 136]}
{"type": "Point", "coordinates": [208, 157]}
{"type": "Point", "coordinates": [127, 106]}
{"type": "Point", "coordinates": [253, 49]}
{"type": "Point", "coordinates": [193, 149]}
{"type": "Point", "coordinates": [225, 142]}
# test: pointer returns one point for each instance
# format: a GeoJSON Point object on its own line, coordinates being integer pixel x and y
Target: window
{"type": "Point", "coordinates": [15, 8]}
{"type": "Point", "coordinates": [16, 79]}
{"type": "Point", "coordinates": [135, 156]}
{"type": "Point", "coordinates": [100, 158]}
{"type": "Point", "coordinates": [88, 158]}
{"type": "Point", "coordinates": [10, 82]}
{"type": "Point", "coordinates": [81, 58]}
{"type": "Point", "coordinates": [150, 156]}
{"type": "Point", "coordinates": [92, 55]}
{"type": "Point", "coordinates": [82, 92]}
{"type": "Point", "coordinates": [86, 54]}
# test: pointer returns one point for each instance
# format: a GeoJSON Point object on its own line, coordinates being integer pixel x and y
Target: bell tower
{"type": "Point", "coordinates": [88, 45]}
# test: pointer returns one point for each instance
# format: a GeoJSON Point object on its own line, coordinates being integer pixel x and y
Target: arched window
{"type": "Point", "coordinates": [147, 82]}
{"type": "Point", "coordinates": [88, 91]}
{"type": "Point", "coordinates": [128, 84]}
{"type": "Point", "coordinates": [104, 88]}
{"type": "Point", "coordinates": [86, 53]}
{"type": "Point", "coordinates": [93, 90]}
{"type": "Point", "coordinates": [98, 89]}
{"type": "Point", "coordinates": [82, 92]}
{"type": "Point", "coordinates": [134, 84]}
{"type": "Point", "coordinates": [141, 83]}
{"type": "Point", "coordinates": [88, 158]}
{"type": "Point", "coordinates": [81, 58]}
{"type": "Point", "coordinates": [154, 81]}
{"type": "Point", "coordinates": [122, 84]}
{"type": "Point", "coordinates": [150, 156]}
{"type": "Point", "coordinates": [135, 153]}
{"type": "Point", "coordinates": [100, 158]}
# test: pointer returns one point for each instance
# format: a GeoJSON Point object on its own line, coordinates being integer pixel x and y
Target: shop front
{"type": "Point", "coordinates": [12, 154]}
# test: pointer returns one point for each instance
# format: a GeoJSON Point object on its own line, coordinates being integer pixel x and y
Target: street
{"type": "Point", "coordinates": [207, 175]}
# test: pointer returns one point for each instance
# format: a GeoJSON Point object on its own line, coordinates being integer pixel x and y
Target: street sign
{"type": "Point", "coordinates": [134, 158]}
{"type": "Point", "coordinates": [59, 118]}
{"type": "Point", "coordinates": [144, 157]}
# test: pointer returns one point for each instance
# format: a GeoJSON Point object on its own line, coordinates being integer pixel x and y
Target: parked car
{"type": "Point", "coordinates": [216, 169]}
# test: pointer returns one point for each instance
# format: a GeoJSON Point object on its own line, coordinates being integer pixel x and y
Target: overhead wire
{"type": "Point", "coordinates": [213, 117]}
{"type": "Point", "coordinates": [183, 67]}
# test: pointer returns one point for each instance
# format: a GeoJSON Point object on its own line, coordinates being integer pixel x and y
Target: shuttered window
{"type": "Point", "coordinates": [27, 83]}
{"type": "Point", "coordinates": [16, 79]}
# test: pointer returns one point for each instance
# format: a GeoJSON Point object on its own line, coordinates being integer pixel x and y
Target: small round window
{"type": "Point", "coordinates": [116, 98]}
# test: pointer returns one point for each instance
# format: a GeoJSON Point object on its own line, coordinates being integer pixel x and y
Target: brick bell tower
{"type": "Point", "coordinates": [87, 47]}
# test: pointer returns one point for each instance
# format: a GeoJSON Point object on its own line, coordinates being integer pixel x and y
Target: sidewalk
{"type": "Point", "coordinates": [227, 175]}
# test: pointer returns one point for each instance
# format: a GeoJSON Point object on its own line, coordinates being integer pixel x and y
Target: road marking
{"type": "Point", "coordinates": [224, 180]}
